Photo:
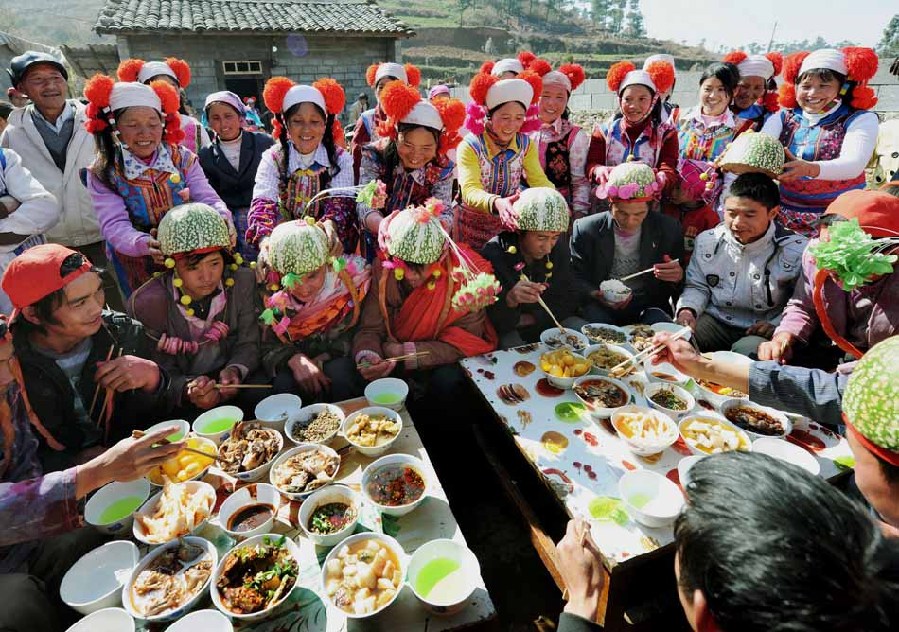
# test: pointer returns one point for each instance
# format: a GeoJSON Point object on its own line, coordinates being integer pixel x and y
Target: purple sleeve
{"type": "Point", "coordinates": [202, 191]}
{"type": "Point", "coordinates": [38, 507]}
{"type": "Point", "coordinates": [799, 316]}
{"type": "Point", "coordinates": [115, 223]}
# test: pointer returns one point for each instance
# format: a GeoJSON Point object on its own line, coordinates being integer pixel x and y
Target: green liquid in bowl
{"type": "Point", "coordinates": [120, 509]}
{"type": "Point", "coordinates": [639, 500]}
{"type": "Point", "coordinates": [218, 425]}
{"type": "Point", "coordinates": [438, 572]}
{"type": "Point", "coordinates": [175, 436]}
{"type": "Point", "coordinates": [386, 399]}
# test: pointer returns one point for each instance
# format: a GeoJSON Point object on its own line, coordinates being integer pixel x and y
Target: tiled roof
{"type": "Point", "coordinates": [243, 16]}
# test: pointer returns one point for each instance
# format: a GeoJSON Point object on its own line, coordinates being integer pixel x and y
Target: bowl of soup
{"type": "Point", "coordinates": [250, 511]}
{"type": "Point", "coordinates": [363, 575]}
{"type": "Point", "coordinates": [178, 435]}
{"type": "Point", "coordinates": [216, 424]}
{"type": "Point", "coordinates": [650, 498]}
{"type": "Point", "coordinates": [708, 433]}
{"type": "Point", "coordinates": [389, 392]}
{"type": "Point", "coordinates": [395, 484]}
{"type": "Point", "coordinates": [330, 514]}
{"type": "Point", "coordinates": [111, 509]}
{"type": "Point", "coordinates": [601, 395]}
{"type": "Point", "coordinates": [443, 574]}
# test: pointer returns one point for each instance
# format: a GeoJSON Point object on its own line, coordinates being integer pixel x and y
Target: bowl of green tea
{"type": "Point", "coordinates": [443, 574]}
{"type": "Point", "coordinates": [217, 423]}
{"type": "Point", "coordinates": [389, 392]}
{"type": "Point", "coordinates": [112, 508]}
{"type": "Point", "coordinates": [330, 514]}
{"type": "Point", "coordinates": [178, 435]}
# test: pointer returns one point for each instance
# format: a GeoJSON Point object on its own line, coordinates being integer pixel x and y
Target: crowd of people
{"type": "Point", "coordinates": [158, 260]}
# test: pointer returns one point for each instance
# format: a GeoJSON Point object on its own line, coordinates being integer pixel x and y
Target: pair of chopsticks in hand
{"type": "Point", "coordinates": [407, 356]}
{"type": "Point", "coordinates": [543, 304]}
{"type": "Point", "coordinates": [622, 367]}
{"type": "Point", "coordinates": [106, 408]}
{"type": "Point", "coordinates": [642, 272]}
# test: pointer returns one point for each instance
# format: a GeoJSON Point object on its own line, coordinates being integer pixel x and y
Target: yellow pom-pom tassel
{"type": "Point", "coordinates": [186, 300]}
{"type": "Point", "coordinates": [178, 282]}
{"type": "Point", "coordinates": [238, 259]}
{"type": "Point", "coordinates": [157, 275]}
{"type": "Point", "coordinates": [273, 287]}
{"type": "Point", "coordinates": [189, 311]}
{"type": "Point", "coordinates": [229, 282]}
{"type": "Point", "coordinates": [175, 178]}
{"type": "Point", "coordinates": [310, 220]}
{"type": "Point", "coordinates": [549, 265]}
{"type": "Point", "coordinates": [169, 263]}
{"type": "Point", "coordinates": [398, 274]}
{"type": "Point", "coordinates": [437, 274]}
{"type": "Point", "coordinates": [709, 186]}
{"type": "Point", "coordinates": [512, 250]}
{"type": "Point", "coordinates": [431, 285]}
{"type": "Point", "coordinates": [703, 176]}
{"type": "Point", "coordinates": [252, 265]}
{"type": "Point", "coordinates": [234, 267]}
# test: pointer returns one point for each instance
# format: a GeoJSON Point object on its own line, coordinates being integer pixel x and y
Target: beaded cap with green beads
{"type": "Point", "coordinates": [192, 227]}
{"type": "Point", "coordinates": [541, 209]}
{"type": "Point", "coordinates": [871, 400]}
{"type": "Point", "coordinates": [297, 247]}
{"type": "Point", "coordinates": [415, 236]}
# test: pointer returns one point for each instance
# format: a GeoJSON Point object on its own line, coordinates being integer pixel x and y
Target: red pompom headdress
{"type": "Point", "coordinates": [770, 99]}
{"type": "Point", "coordinates": [99, 93]}
{"type": "Point", "coordinates": [861, 66]}
{"type": "Point", "coordinates": [413, 74]}
{"type": "Point", "coordinates": [332, 93]}
{"type": "Point", "coordinates": [142, 71]}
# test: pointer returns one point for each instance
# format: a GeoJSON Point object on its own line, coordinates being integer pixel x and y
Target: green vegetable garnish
{"type": "Point", "coordinates": [852, 255]}
{"type": "Point", "coordinates": [844, 462]}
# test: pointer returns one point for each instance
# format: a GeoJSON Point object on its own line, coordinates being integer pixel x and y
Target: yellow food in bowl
{"type": "Point", "coordinates": [563, 363]}
{"type": "Point", "coordinates": [185, 465]}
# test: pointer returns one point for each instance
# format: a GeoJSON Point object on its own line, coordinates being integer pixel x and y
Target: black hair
{"type": "Point", "coordinates": [5, 108]}
{"type": "Point", "coordinates": [757, 187]}
{"type": "Point", "coordinates": [327, 141]}
{"type": "Point", "coordinates": [890, 472]}
{"type": "Point", "coordinates": [195, 258]}
{"type": "Point", "coordinates": [391, 155]}
{"type": "Point", "coordinates": [655, 116]}
{"type": "Point", "coordinates": [104, 163]}
{"type": "Point", "coordinates": [46, 307]}
{"type": "Point", "coordinates": [891, 188]}
{"type": "Point", "coordinates": [773, 547]}
{"type": "Point", "coordinates": [725, 72]}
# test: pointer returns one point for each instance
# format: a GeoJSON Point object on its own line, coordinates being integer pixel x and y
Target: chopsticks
{"type": "Point", "coordinates": [417, 354]}
{"type": "Point", "coordinates": [647, 353]}
{"type": "Point", "coordinates": [543, 304]}
{"type": "Point", "coordinates": [138, 434]}
{"type": "Point", "coordinates": [244, 386]}
{"type": "Point", "coordinates": [641, 273]}
{"type": "Point", "coordinates": [97, 391]}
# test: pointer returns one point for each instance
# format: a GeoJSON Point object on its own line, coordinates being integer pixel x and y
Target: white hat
{"type": "Point", "coordinates": [506, 90]}
{"type": "Point", "coordinates": [127, 94]}
{"type": "Point", "coordinates": [391, 69]}
{"type": "Point", "coordinates": [507, 65]}
{"type": "Point", "coordinates": [829, 58]}
{"type": "Point", "coordinates": [557, 78]}
{"type": "Point", "coordinates": [664, 57]}
{"type": "Point", "coordinates": [154, 69]}
{"type": "Point", "coordinates": [303, 94]}
{"type": "Point", "coordinates": [424, 114]}
{"type": "Point", "coordinates": [637, 78]}
{"type": "Point", "coordinates": [756, 66]}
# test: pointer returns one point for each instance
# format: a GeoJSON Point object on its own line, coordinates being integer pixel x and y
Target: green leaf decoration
{"type": "Point", "coordinates": [291, 280]}
{"type": "Point", "coordinates": [338, 264]}
{"type": "Point", "coordinates": [367, 193]}
{"type": "Point", "coordinates": [844, 463]}
{"type": "Point", "coordinates": [267, 316]}
{"type": "Point", "coordinates": [852, 255]}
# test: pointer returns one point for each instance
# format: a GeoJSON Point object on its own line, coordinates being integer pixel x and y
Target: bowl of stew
{"type": "Point", "coordinates": [250, 511]}
{"type": "Point", "coordinates": [670, 399]}
{"type": "Point", "coordinates": [395, 484]}
{"type": "Point", "coordinates": [601, 395]}
{"type": "Point", "coordinates": [758, 421]}
{"type": "Point", "coordinates": [330, 514]}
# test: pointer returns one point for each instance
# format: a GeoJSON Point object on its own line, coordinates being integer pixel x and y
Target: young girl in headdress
{"type": "Point", "coordinates": [175, 72]}
{"type": "Point", "coordinates": [202, 313]}
{"type": "Point", "coordinates": [562, 145]}
{"type": "Point", "coordinates": [826, 129]}
{"type": "Point", "coordinates": [410, 157]}
{"type": "Point", "coordinates": [306, 159]}
{"type": "Point", "coordinates": [498, 155]}
{"type": "Point", "coordinates": [755, 98]}
{"type": "Point", "coordinates": [313, 303]}
{"type": "Point", "coordinates": [140, 173]}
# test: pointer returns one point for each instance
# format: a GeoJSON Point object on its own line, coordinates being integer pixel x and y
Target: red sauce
{"type": "Point", "coordinates": [546, 389]}
{"type": "Point", "coordinates": [394, 485]}
{"type": "Point", "coordinates": [664, 376]}
{"type": "Point", "coordinates": [681, 446]}
{"type": "Point", "coordinates": [806, 440]}
{"type": "Point", "coordinates": [250, 517]}
{"type": "Point", "coordinates": [673, 476]}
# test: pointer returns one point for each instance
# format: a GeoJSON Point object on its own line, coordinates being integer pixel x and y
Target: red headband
{"type": "Point", "coordinates": [890, 456]}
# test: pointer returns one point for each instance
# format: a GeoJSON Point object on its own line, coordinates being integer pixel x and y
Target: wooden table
{"type": "Point", "coordinates": [307, 609]}
{"type": "Point", "coordinates": [579, 462]}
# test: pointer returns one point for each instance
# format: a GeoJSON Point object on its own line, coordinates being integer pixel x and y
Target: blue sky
{"type": "Point", "coordinates": [736, 23]}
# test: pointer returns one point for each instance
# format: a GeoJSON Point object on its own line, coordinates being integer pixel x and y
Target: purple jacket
{"type": "Point", "coordinates": [864, 316]}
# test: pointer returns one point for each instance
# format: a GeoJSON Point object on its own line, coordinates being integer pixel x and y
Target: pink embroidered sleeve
{"type": "Point", "coordinates": [263, 215]}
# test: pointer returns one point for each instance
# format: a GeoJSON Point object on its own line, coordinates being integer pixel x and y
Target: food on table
{"type": "Point", "coordinates": [512, 394]}
{"type": "Point", "coordinates": [372, 431]}
{"type": "Point", "coordinates": [219, 424]}
{"type": "Point", "coordinates": [563, 363]}
{"type": "Point", "coordinates": [184, 465]}
{"type": "Point", "coordinates": [523, 368]}
{"type": "Point", "coordinates": [606, 358]}
{"type": "Point", "coordinates": [600, 393]}
{"type": "Point", "coordinates": [364, 577]}
{"type": "Point", "coordinates": [177, 512]}
{"type": "Point", "coordinates": [387, 399]}
{"type": "Point", "coordinates": [805, 439]}
{"type": "Point", "coordinates": [559, 481]}
{"type": "Point", "coordinates": [614, 290]}
{"type": "Point", "coordinates": [524, 349]}
{"type": "Point", "coordinates": [525, 418]}
{"type": "Point", "coordinates": [442, 581]}
{"type": "Point", "coordinates": [395, 485]}
{"type": "Point", "coordinates": [546, 389]}
{"type": "Point", "coordinates": [554, 441]}
{"type": "Point", "coordinates": [256, 577]}
{"type": "Point", "coordinates": [641, 337]}
{"type": "Point", "coordinates": [172, 579]}
{"type": "Point", "coordinates": [597, 333]}
{"type": "Point", "coordinates": [249, 447]}
{"type": "Point", "coordinates": [667, 398]}
{"type": "Point", "coordinates": [120, 509]}
{"type": "Point", "coordinates": [643, 426]}
{"type": "Point", "coordinates": [250, 517]}
{"type": "Point", "coordinates": [712, 436]}
{"type": "Point", "coordinates": [569, 412]}
{"type": "Point", "coordinates": [706, 404]}
{"type": "Point", "coordinates": [305, 471]}
{"type": "Point", "coordinates": [756, 420]}
{"type": "Point", "coordinates": [321, 426]}
{"type": "Point", "coordinates": [606, 509]}
{"type": "Point", "coordinates": [331, 518]}
{"type": "Point", "coordinates": [558, 338]}
{"type": "Point", "coordinates": [722, 390]}
{"type": "Point", "coordinates": [665, 377]}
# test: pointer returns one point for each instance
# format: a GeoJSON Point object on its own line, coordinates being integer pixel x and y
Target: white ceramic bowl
{"type": "Point", "coordinates": [106, 620]}
{"type": "Point", "coordinates": [579, 340]}
{"type": "Point", "coordinates": [614, 290]}
{"type": "Point", "coordinates": [183, 429]}
{"type": "Point", "coordinates": [447, 598]}
{"type": "Point", "coordinates": [565, 383]}
{"type": "Point", "coordinates": [193, 487]}
{"type": "Point", "coordinates": [276, 410]}
{"type": "Point", "coordinates": [655, 387]}
{"type": "Point", "coordinates": [303, 447]}
{"type": "Point", "coordinates": [201, 424]}
{"type": "Point", "coordinates": [684, 466]}
{"type": "Point", "coordinates": [202, 621]}
{"type": "Point", "coordinates": [664, 372]}
{"type": "Point", "coordinates": [646, 447]}
{"type": "Point", "coordinates": [601, 412]}
{"type": "Point", "coordinates": [787, 452]}
{"type": "Point", "coordinates": [671, 328]}
{"type": "Point", "coordinates": [206, 445]}
{"type": "Point", "coordinates": [594, 340]}
{"type": "Point", "coordinates": [252, 494]}
{"type": "Point", "coordinates": [187, 606]}
{"type": "Point", "coordinates": [722, 356]}
{"type": "Point", "coordinates": [650, 498]}
{"type": "Point", "coordinates": [786, 424]}
{"type": "Point", "coordinates": [323, 496]}
{"type": "Point", "coordinates": [110, 493]}
{"type": "Point", "coordinates": [371, 411]}
{"type": "Point", "coordinates": [291, 547]}
{"type": "Point", "coordinates": [745, 444]}
{"type": "Point", "coordinates": [616, 348]}
{"type": "Point", "coordinates": [389, 392]}
{"type": "Point", "coordinates": [388, 541]}
{"type": "Point", "coordinates": [95, 581]}
{"type": "Point", "coordinates": [306, 415]}
{"type": "Point", "coordinates": [396, 460]}
{"type": "Point", "coordinates": [258, 473]}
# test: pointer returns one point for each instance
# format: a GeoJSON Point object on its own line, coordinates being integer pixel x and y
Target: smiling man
{"type": "Point", "coordinates": [75, 355]}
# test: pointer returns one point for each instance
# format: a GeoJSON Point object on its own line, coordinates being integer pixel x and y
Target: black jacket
{"type": "Point", "coordinates": [53, 400]}
{"type": "Point", "coordinates": [235, 186]}
{"type": "Point", "coordinates": [593, 248]}
{"type": "Point", "coordinates": [561, 296]}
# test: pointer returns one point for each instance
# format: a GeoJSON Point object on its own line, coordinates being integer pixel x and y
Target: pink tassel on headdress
{"type": "Point", "coordinates": [532, 120]}
{"type": "Point", "coordinates": [475, 117]}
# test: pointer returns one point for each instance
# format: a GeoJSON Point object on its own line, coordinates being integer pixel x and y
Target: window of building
{"type": "Point", "coordinates": [242, 67]}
